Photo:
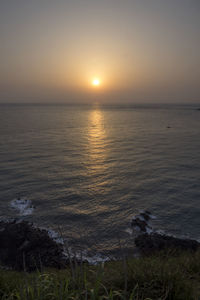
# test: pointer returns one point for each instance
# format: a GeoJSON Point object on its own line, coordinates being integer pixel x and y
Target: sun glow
{"type": "Point", "coordinates": [96, 82]}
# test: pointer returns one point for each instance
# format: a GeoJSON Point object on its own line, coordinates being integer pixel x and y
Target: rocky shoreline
{"type": "Point", "coordinates": [24, 247]}
{"type": "Point", "coordinates": [149, 241]}
{"type": "Point", "coordinates": [149, 244]}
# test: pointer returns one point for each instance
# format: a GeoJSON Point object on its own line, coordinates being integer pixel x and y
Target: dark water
{"type": "Point", "coordinates": [88, 169]}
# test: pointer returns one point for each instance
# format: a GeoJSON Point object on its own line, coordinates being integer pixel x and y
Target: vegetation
{"type": "Point", "coordinates": [164, 276]}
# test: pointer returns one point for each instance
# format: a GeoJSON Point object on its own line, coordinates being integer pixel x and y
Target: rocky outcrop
{"type": "Point", "coordinates": [24, 247]}
{"type": "Point", "coordinates": [151, 243]}
{"type": "Point", "coordinates": [140, 222]}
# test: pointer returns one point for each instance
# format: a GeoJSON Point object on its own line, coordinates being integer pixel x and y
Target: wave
{"type": "Point", "coordinates": [84, 256]}
{"type": "Point", "coordinates": [55, 236]}
{"type": "Point", "coordinates": [23, 206]}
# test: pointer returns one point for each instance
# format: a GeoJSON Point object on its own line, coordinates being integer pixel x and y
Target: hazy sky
{"type": "Point", "coordinates": [141, 50]}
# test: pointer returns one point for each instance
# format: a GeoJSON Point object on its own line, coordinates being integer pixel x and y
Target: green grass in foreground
{"type": "Point", "coordinates": [156, 277]}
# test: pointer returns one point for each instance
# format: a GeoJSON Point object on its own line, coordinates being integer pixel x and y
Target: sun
{"type": "Point", "coordinates": [96, 82]}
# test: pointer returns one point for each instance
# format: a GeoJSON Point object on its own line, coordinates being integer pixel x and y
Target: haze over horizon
{"type": "Point", "coordinates": [137, 51]}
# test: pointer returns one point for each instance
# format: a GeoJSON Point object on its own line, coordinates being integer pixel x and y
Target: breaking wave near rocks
{"type": "Point", "coordinates": [141, 223]}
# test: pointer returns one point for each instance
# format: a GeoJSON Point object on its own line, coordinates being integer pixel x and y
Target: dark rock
{"type": "Point", "coordinates": [145, 215]}
{"type": "Point", "coordinates": [151, 243]}
{"type": "Point", "coordinates": [24, 247]}
{"type": "Point", "coordinates": [141, 221]}
{"type": "Point", "coordinates": [147, 212]}
{"type": "Point", "coordinates": [142, 225]}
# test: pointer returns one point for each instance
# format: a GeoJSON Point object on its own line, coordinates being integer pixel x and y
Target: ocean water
{"type": "Point", "coordinates": [85, 171]}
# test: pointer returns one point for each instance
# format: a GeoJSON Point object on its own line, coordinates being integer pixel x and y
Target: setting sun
{"type": "Point", "coordinates": [96, 82]}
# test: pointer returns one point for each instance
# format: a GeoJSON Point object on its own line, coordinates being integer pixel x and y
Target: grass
{"type": "Point", "coordinates": [163, 276]}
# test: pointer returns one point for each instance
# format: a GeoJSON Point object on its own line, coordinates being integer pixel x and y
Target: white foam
{"type": "Point", "coordinates": [84, 256]}
{"type": "Point", "coordinates": [23, 206]}
{"type": "Point", "coordinates": [92, 260]}
{"type": "Point", "coordinates": [96, 259]}
{"type": "Point", "coordinates": [149, 230]}
{"type": "Point", "coordinates": [79, 255]}
{"type": "Point", "coordinates": [141, 218]}
{"type": "Point", "coordinates": [55, 236]}
{"type": "Point", "coordinates": [160, 231]}
{"type": "Point", "coordinates": [129, 231]}
{"type": "Point", "coordinates": [152, 217]}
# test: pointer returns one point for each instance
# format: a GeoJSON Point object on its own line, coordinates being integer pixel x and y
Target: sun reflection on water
{"type": "Point", "coordinates": [96, 142]}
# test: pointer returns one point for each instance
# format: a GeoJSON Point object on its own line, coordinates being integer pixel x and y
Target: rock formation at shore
{"type": "Point", "coordinates": [154, 242]}
{"type": "Point", "coordinates": [24, 247]}
{"type": "Point", "coordinates": [149, 241]}
{"type": "Point", "coordinates": [140, 222]}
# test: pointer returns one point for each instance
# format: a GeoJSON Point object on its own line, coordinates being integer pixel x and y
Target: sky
{"type": "Point", "coordinates": [139, 50]}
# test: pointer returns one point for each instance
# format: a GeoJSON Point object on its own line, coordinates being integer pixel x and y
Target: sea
{"type": "Point", "coordinates": [83, 172]}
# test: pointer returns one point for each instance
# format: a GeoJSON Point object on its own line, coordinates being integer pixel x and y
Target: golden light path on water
{"type": "Point", "coordinates": [95, 168]}
{"type": "Point", "coordinates": [97, 150]}
{"type": "Point", "coordinates": [96, 140]}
